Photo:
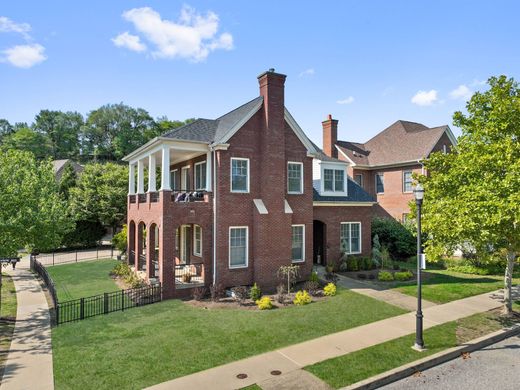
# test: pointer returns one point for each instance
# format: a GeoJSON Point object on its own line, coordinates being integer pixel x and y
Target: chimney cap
{"type": "Point", "coordinates": [271, 71]}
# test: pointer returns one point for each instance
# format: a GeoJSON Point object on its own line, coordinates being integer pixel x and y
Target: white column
{"type": "Point", "coordinates": [151, 173]}
{"type": "Point", "coordinates": [165, 169]}
{"type": "Point", "coordinates": [140, 177]}
{"type": "Point", "coordinates": [208, 171]}
{"type": "Point", "coordinates": [131, 179]}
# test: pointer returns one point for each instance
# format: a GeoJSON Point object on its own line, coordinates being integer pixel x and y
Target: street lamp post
{"type": "Point", "coordinates": [419, 342]}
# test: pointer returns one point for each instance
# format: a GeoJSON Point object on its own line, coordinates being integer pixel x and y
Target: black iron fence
{"type": "Point", "coordinates": [75, 256]}
{"type": "Point", "coordinates": [79, 309]}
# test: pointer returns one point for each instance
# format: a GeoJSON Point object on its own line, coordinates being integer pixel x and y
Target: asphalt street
{"type": "Point", "coordinates": [496, 367]}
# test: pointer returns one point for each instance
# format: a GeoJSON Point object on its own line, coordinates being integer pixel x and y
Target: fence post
{"type": "Point", "coordinates": [82, 308]}
{"type": "Point", "coordinates": [105, 296]}
{"type": "Point", "coordinates": [57, 306]}
{"type": "Point", "coordinates": [122, 300]}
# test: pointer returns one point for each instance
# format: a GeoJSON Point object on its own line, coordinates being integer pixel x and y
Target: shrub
{"type": "Point", "coordinates": [365, 263]}
{"type": "Point", "coordinates": [86, 234]}
{"type": "Point", "coordinates": [311, 287]}
{"type": "Point", "coordinates": [119, 240]}
{"type": "Point", "coordinates": [362, 276]}
{"type": "Point", "coordinates": [330, 290]}
{"type": "Point", "coordinates": [216, 291]}
{"type": "Point", "coordinates": [314, 277]}
{"type": "Point", "coordinates": [281, 295]}
{"type": "Point", "coordinates": [255, 293]}
{"type": "Point", "coordinates": [302, 298]}
{"type": "Point", "coordinates": [406, 275]}
{"type": "Point", "coordinates": [343, 267]}
{"type": "Point", "coordinates": [385, 276]}
{"type": "Point", "coordinates": [199, 293]}
{"type": "Point", "coordinates": [121, 270]}
{"type": "Point", "coordinates": [240, 293]}
{"type": "Point", "coordinates": [353, 264]}
{"type": "Point", "coordinates": [264, 303]}
{"type": "Point", "coordinates": [133, 280]}
{"type": "Point", "coordinates": [396, 267]}
{"type": "Point", "coordinates": [395, 236]}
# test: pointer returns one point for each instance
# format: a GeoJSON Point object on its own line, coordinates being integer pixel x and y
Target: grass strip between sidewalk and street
{"type": "Point", "coordinates": [7, 318]}
{"type": "Point", "coordinates": [356, 366]}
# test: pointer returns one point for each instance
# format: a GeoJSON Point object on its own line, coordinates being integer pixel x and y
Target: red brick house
{"type": "Point", "coordinates": [240, 196]}
{"type": "Point", "coordinates": [383, 166]}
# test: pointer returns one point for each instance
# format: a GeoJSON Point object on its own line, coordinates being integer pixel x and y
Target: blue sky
{"type": "Point", "coordinates": [368, 63]}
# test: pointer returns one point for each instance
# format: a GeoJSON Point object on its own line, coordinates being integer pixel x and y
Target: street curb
{"type": "Point", "coordinates": [431, 361]}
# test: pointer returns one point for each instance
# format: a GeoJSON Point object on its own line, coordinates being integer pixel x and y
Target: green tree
{"type": "Point", "coordinates": [473, 195]}
{"type": "Point", "coordinates": [28, 140]}
{"type": "Point", "coordinates": [32, 213]}
{"type": "Point", "coordinates": [101, 194]}
{"type": "Point", "coordinates": [62, 130]}
{"type": "Point", "coordinates": [5, 129]}
{"type": "Point", "coordinates": [67, 181]}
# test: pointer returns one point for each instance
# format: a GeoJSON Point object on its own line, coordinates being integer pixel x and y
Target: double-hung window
{"type": "Point", "coordinates": [197, 240]}
{"type": "Point", "coordinates": [238, 246]}
{"type": "Point", "coordinates": [294, 178]}
{"type": "Point", "coordinates": [239, 175]}
{"type": "Point", "coordinates": [173, 179]}
{"type": "Point", "coordinates": [358, 177]}
{"type": "Point", "coordinates": [334, 180]}
{"type": "Point", "coordinates": [298, 244]}
{"type": "Point", "coordinates": [380, 183]}
{"type": "Point", "coordinates": [407, 181]}
{"type": "Point", "coordinates": [200, 175]}
{"type": "Point", "coordinates": [350, 237]}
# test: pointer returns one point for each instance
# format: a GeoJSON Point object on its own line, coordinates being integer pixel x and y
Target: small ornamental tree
{"type": "Point", "coordinates": [377, 257]}
{"type": "Point", "coordinates": [289, 272]}
{"type": "Point", "coordinates": [473, 194]}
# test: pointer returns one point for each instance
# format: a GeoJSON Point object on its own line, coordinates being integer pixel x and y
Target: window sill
{"type": "Point", "coordinates": [239, 192]}
{"type": "Point", "coordinates": [294, 193]}
{"type": "Point", "coordinates": [297, 261]}
{"type": "Point", "coordinates": [238, 267]}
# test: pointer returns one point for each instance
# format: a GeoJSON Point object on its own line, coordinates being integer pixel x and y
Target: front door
{"type": "Point", "coordinates": [185, 244]}
{"type": "Point", "coordinates": [319, 242]}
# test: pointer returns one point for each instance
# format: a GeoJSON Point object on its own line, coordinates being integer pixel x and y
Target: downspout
{"type": "Point", "coordinates": [214, 188]}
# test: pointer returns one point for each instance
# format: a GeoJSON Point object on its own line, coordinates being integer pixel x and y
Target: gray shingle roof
{"type": "Point", "coordinates": [354, 191]}
{"type": "Point", "coordinates": [400, 142]}
{"type": "Point", "coordinates": [213, 130]}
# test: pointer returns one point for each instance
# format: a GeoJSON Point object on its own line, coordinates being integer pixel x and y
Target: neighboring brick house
{"type": "Point", "coordinates": [240, 196]}
{"type": "Point", "coordinates": [384, 165]}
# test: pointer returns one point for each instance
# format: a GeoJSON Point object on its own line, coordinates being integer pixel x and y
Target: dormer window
{"type": "Point", "coordinates": [334, 180]}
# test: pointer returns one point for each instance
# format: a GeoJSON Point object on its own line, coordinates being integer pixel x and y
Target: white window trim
{"type": "Point", "coordinates": [375, 182]}
{"type": "Point", "coordinates": [198, 254]}
{"type": "Point", "coordinates": [186, 176]}
{"type": "Point", "coordinates": [362, 179]}
{"type": "Point", "coordinates": [301, 178]}
{"type": "Point", "coordinates": [404, 182]}
{"type": "Point", "coordinates": [182, 249]}
{"type": "Point", "coordinates": [303, 248]}
{"type": "Point", "coordinates": [247, 247]}
{"type": "Point", "coordinates": [203, 181]}
{"type": "Point", "coordinates": [334, 192]}
{"type": "Point", "coordinates": [350, 235]}
{"type": "Point", "coordinates": [173, 182]}
{"type": "Point", "coordinates": [231, 175]}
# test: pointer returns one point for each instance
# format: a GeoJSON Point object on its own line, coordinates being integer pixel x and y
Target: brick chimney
{"type": "Point", "coordinates": [272, 86]}
{"type": "Point", "coordinates": [330, 136]}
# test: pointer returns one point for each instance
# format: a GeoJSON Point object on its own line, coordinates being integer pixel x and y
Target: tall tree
{"type": "Point", "coordinates": [62, 129]}
{"type": "Point", "coordinates": [28, 140]}
{"type": "Point", "coordinates": [473, 195]}
{"type": "Point", "coordinates": [5, 129]}
{"type": "Point", "coordinates": [32, 213]}
{"type": "Point", "coordinates": [114, 130]}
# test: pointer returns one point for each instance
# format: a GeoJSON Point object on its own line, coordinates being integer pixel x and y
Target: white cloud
{"type": "Point", "coordinates": [461, 92]}
{"type": "Point", "coordinates": [478, 83]}
{"type": "Point", "coordinates": [24, 56]}
{"type": "Point", "coordinates": [192, 37]}
{"type": "Point", "coordinates": [348, 100]}
{"type": "Point", "coordinates": [425, 98]}
{"type": "Point", "coordinates": [307, 72]}
{"type": "Point", "coordinates": [7, 25]}
{"type": "Point", "coordinates": [131, 42]}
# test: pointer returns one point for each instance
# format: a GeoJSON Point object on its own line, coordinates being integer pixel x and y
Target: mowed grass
{"type": "Point", "coordinates": [7, 318]}
{"type": "Point", "coordinates": [78, 280]}
{"type": "Point", "coordinates": [445, 286]}
{"type": "Point", "coordinates": [351, 368]}
{"type": "Point", "coordinates": [163, 341]}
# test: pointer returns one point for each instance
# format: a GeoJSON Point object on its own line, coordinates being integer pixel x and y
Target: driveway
{"type": "Point", "coordinates": [494, 367]}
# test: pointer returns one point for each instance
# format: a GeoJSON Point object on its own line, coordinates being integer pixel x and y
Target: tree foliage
{"type": "Point", "coordinates": [472, 195]}
{"type": "Point", "coordinates": [395, 236]}
{"type": "Point", "coordinates": [28, 140]}
{"type": "Point", "coordinates": [32, 213]}
{"type": "Point", "coordinates": [62, 129]}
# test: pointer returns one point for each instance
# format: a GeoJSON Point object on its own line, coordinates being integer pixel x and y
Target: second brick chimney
{"type": "Point", "coordinates": [330, 136]}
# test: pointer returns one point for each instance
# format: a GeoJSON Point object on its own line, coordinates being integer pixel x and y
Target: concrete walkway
{"type": "Point", "coordinates": [29, 363]}
{"type": "Point", "coordinates": [371, 290]}
{"type": "Point", "coordinates": [292, 359]}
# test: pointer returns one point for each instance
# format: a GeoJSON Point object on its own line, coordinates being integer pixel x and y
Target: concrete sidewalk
{"type": "Point", "coordinates": [29, 363]}
{"type": "Point", "coordinates": [290, 359]}
{"type": "Point", "coordinates": [392, 297]}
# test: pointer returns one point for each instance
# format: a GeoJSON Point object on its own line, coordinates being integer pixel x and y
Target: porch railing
{"type": "Point", "coordinates": [190, 196]}
{"type": "Point", "coordinates": [189, 274]}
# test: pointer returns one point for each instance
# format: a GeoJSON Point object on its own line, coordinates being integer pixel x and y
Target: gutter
{"type": "Point", "coordinates": [213, 156]}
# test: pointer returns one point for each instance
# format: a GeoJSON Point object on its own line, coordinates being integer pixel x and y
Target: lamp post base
{"type": "Point", "coordinates": [419, 348]}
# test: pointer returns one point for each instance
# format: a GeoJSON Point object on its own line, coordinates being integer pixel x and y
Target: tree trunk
{"type": "Point", "coordinates": [508, 279]}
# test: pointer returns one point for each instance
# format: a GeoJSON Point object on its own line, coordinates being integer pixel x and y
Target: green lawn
{"type": "Point", "coordinates": [83, 279]}
{"type": "Point", "coordinates": [445, 286]}
{"type": "Point", "coordinates": [8, 316]}
{"type": "Point", "coordinates": [351, 368]}
{"type": "Point", "coordinates": [159, 342]}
